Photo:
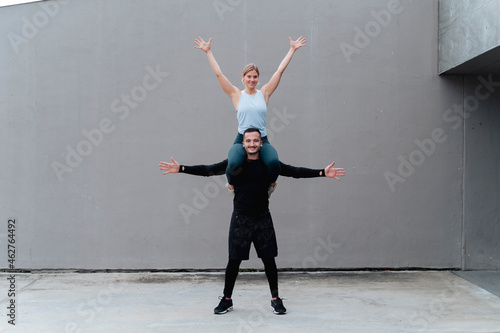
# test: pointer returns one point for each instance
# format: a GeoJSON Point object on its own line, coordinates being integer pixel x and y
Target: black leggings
{"type": "Point", "coordinates": [233, 267]}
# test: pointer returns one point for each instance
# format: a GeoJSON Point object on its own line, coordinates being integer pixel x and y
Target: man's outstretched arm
{"type": "Point", "coordinates": [196, 170]}
{"type": "Point", "coordinates": [300, 172]}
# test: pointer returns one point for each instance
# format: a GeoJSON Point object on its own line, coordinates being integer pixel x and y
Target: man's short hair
{"type": "Point", "coordinates": [250, 130]}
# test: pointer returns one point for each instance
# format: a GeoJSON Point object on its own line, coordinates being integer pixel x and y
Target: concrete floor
{"type": "Point", "coordinates": [416, 301]}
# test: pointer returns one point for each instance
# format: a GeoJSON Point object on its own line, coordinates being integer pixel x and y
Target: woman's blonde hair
{"type": "Point", "coordinates": [249, 68]}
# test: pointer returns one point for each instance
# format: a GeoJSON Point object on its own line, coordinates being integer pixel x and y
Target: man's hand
{"type": "Point", "coordinates": [169, 167]}
{"type": "Point", "coordinates": [335, 173]}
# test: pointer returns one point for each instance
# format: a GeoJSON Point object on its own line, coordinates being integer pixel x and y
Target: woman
{"type": "Point", "coordinates": [251, 109]}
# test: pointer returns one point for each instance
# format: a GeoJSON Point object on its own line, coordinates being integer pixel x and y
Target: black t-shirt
{"type": "Point", "coordinates": [250, 188]}
{"type": "Point", "coordinates": [251, 185]}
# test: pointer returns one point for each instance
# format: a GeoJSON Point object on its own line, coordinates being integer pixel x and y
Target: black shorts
{"type": "Point", "coordinates": [245, 230]}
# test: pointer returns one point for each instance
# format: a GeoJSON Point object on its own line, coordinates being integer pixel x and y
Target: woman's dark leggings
{"type": "Point", "coordinates": [233, 267]}
{"type": "Point", "coordinates": [237, 155]}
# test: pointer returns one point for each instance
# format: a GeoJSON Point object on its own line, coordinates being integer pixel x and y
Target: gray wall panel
{"type": "Point", "coordinates": [363, 92]}
{"type": "Point", "coordinates": [482, 182]}
{"type": "Point", "coordinates": [468, 35]}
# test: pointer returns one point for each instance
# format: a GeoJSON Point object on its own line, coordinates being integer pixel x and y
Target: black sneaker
{"type": "Point", "coordinates": [277, 306]}
{"type": "Point", "coordinates": [224, 306]}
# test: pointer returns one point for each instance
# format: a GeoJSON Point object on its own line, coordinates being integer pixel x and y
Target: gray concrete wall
{"type": "Point", "coordinates": [469, 36]}
{"type": "Point", "coordinates": [95, 93]}
{"type": "Point", "coordinates": [482, 182]}
{"type": "Point", "coordinates": [468, 43]}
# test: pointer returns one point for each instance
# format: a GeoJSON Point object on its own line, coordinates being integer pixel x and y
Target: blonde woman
{"type": "Point", "coordinates": [251, 109]}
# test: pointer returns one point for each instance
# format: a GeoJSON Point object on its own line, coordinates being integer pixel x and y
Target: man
{"type": "Point", "coordinates": [251, 220]}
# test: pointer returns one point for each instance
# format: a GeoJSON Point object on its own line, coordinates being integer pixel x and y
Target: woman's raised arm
{"type": "Point", "coordinates": [269, 88]}
{"type": "Point", "coordinates": [232, 91]}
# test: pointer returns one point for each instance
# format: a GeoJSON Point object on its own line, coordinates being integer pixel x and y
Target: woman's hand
{"type": "Point", "coordinates": [296, 44]}
{"type": "Point", "coordinates": [202, 45]}
{"type": "Point", "coordinates": [269, 88]}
